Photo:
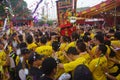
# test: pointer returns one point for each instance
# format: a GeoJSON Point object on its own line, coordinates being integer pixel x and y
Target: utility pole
{"type": "Point", "coordinates": [115, 14]}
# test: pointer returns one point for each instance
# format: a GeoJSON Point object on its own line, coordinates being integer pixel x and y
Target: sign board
{"type": "Point", "coordinates": [65, 9]}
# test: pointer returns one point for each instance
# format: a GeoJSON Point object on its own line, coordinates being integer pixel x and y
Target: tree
{"type": "Point", "coordinates": [19, 8]}
{"type": "Point", "coordinates": [50, 22]}
{"type": "Point", "coordinates": [41, 22]}
{"type": "Point", "coordinates": [2, 11]}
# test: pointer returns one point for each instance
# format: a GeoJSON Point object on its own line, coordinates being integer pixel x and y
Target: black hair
{"type": "Point", "coordinates": [79, 41]}
{"type": "Point", "coordinates": [82, 72]}
{"type": "Point", "coordinates": [20, 37]}
{"type": "Point", "coordinates": [25, 51]}
{"type": "Point", "coordinates": [55, 45]}
{"type": "Point", "coordinates": [86, 38]}
{"type": "Point", "coordinates": [117, 35]}
{"type": "Point", "coordinates": [72, 50]}
{"type": "Point", "coordinates": [107, 42]}
{"type": "Point", "coordinates": [111, 31]}
{"type": "Point", "coordinates": [112, 52]}
{"type": "Point", "coordinates": [33, 57]}
{"type": "Point", "coordinates": [40, 32]}
{"type": "Point", "coordinates": [14, 34]}
{"type": "Point", "coordinates": [29, 39]}
{"type": "Point", "coordinates": [48, 36]}
{"type": "Point", "coordinates": [43, 39]}
{"type": "Point", "coordinates": [75, 36]}
{"type": "Point", "coordinates": [81, 46]}
{"type": "Point", "coordinates": [65, 38]}
{"type": "Point", "coordinates": [89, 30]}
{"type": "Point", "coordinates": [99, 33]}
{"type": "Point", "coordinates": [100, 38]}
{"type": "Point", "coordinates": [22, 45]}
{"type": "Point", "coordinates": [82, 29]}
{"type": "Point", "coordinates": [102, 48]}
{"type": "Point", "coordinates": [48, 65]}
{"type": "Point", "coordinates": [37, 39]}
{"type": "Point", "coordinates": [87, 33]}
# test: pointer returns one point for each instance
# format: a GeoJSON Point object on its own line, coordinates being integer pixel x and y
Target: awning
{"type": "Point", "coordinates": [100, 8]}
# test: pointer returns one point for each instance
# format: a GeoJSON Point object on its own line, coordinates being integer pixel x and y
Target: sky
{"type": "Point", "coordinates": [52, 13]}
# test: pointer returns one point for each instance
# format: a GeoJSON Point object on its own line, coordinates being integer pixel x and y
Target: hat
{"type": "Point", "coordinates": [34, 56]}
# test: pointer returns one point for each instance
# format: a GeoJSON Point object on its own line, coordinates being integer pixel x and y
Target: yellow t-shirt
{"type": "Point", "coordinates": [92, 35]}
{"type": "Point", "coordinates": [61, 56]}
{"type": "Point", "coordinates": [49, 43]}
{"type": "Point", "coordinates": [62, 46]}
{"type": "Point", "coordinates": [31, 46]}
{"type": "Point", "coordinates": [96, 66]}
{"type": "Point", "coordinates": [111, 65]}
{"type": "Point", "coordinates": [82, 34]}
{"type": "Point", "coordinates": [118, 77]}
{"type": "Point", "coordinates": [63, 60]}
{"type": "Point", "coordinates": [116, 44]}
{"type": "Point", "coordinates": [86, 56]}
{"type": "Point", "coordinates": [2, 60]}
{"type": "Point", "coordinates": [73, 64]}
{"type": "Point", "coordinates": [93, 51]}
{"type": "Point", "coordinates": [72, 44]}
{"type": "Point", "coordinates": [9, 48]}
{"type": "Point", "coordinates": [3, 57]}
{"type": "Point", "coordinates": [45, 50]}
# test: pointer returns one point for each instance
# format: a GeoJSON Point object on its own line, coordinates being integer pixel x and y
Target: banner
{"type": "Point", "coordinates": [65, 9]}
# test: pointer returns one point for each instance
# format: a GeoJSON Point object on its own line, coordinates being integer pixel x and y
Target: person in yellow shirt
{"type": "Point", "coordinates": [98, 64]}
{"type": "Point", "coordinates": [75, 36]}
{"type": "Point", "coordinates": [91, 33]}
{"type": "Point", "coordinates": [86, 38]}
{"type": "Point", "coordinates": [64, 42]}
{"type": "Point", "coordinates": [81, 32]}
{"type": "Point", "coordinates": [113, 63]}
{"type": "Point", "coordinates": [31, 45]}
{"type": "Point", "coordinates": [49, 39]}
{"type": "Point", "coordinates": [98, 39]}
{"type": "Point", "coordinates": [55, 47]}
{"type": "Point", "coordinates": [3, 62]}
{"type": "Point", "coordinates": [74, 59]}
{"type": "Point", "coordinates": [44, 49]}
{"type": "Point", "coordinates": [58, 56]}
{"type": "Point", "coordinates": [81, 47]}
{"type": "Point", "coordinates": [116, 44]}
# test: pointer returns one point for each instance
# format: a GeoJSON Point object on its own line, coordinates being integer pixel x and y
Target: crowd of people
{"type": "Point", "coordinates": [30, 53]}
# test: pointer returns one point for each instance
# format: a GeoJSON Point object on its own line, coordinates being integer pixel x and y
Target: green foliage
{"type": "Point", "coordinates": [2, 11]}
{"type": "Point", "coordinates": [41, 22]}
{"type": "Point", "coordinates": [50, 22]}
{"type": "Point", "coordinates": [19, 8]}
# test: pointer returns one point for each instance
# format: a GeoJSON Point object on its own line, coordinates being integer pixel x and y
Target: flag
{"type": "Point", "coordinates": [37, 6]}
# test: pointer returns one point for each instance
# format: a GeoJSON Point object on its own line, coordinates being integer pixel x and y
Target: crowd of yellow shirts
{"type": "Point", "coordinates": [95, 64]}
